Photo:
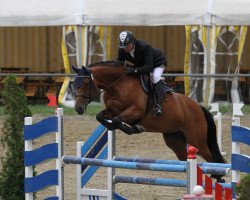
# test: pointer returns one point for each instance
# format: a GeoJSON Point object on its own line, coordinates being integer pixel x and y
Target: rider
{"type": "Point", "coordinates": [146, 59]}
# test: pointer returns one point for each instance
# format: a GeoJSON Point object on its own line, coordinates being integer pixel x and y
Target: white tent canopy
{"type": "Point", "coordinates": [124, 12]}
{"type": "Point", "coordinates": [40, 12]}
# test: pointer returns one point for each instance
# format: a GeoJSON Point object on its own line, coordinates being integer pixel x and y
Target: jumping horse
{"type": "Point", "coordinates": [183, 121]}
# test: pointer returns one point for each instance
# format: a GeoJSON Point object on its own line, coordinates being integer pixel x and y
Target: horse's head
{"type": "Point", "coordinates": [86, 89]}
{"type": "Point", "coordinates": [106, 75]}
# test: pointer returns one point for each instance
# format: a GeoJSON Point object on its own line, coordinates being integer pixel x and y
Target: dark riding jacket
{"type": "Point", "coordinates": [145, 59]}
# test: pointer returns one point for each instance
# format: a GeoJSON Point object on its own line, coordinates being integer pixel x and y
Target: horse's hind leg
{"type": "Point", "coordinates": [200, 142]}
{"type": "Point", "coordinates": [198, 138]}
{"type": "Point", "coordinates": [178, 143]}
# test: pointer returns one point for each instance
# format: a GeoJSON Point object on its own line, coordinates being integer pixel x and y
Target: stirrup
{"type": "Point", "coordinates": [157, 110]}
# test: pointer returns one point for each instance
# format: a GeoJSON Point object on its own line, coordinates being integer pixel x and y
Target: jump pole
{"type": "Point", "coordinates": [173, 162]}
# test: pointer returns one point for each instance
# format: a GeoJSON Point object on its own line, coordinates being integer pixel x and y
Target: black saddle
{"type": "Point", "coordinates": [146, 84]}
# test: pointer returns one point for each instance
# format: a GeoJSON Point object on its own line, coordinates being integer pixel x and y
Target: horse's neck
{"type": "Point", "coordinates": [107, 75]}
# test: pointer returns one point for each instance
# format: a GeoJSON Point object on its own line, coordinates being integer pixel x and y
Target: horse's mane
{"type": "Point", "coordinates": [111, 63]}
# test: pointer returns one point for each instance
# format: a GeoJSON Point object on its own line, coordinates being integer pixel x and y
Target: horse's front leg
{"type": "Point", "coordinates": [129, 116]}
{"type": "Point", "coordinates": [116, 122]}
{"type": "Point", "coordinates": [104, 117]}
{"type": "Point", "coordinates": [107, 119]}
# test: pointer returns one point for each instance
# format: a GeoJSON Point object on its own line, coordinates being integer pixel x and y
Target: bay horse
{"type": "Point", "coordinates": [183, 121]}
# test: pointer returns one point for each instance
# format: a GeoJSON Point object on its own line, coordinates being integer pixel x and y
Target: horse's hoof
{"type": "Point", "coordinates": [139, 129]}
{"type": "Point", "coordinates": [221, 180]}
{"type": "Point", "coordinates": [218, 179]}
{"type": "Point", "coordinates": [116, 122]}
{"type": "Point", "coordinates": [110, 128]}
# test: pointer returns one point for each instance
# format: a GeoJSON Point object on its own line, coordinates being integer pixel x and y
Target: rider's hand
{"type": "Point", "coordinates": [131, 70]}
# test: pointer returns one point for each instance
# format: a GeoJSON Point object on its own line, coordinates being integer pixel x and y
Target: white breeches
{"type": "Point", "coordinates": [157, 72]}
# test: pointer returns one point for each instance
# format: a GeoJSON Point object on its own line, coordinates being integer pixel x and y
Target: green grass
{"type": "Point", "coordinates": [43, 109]}
{"type": "Point", "coordinates": [229, 109]}
{"type": "Point", "coordinates": [246, 109]}
{"type": "Point", "coordinates": [94, 109]}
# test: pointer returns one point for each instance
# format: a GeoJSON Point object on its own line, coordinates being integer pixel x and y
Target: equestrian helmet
{"type": "Point", "coordinates": [125, 38]}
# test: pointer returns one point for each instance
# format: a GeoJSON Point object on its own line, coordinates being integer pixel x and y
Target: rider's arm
{"type": "Point", "coordinates": [121, 55]}
{"type": "Point", "coordinates": [148, 61]}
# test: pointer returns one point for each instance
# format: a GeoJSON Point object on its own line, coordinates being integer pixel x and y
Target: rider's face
{"type": "Point", "coordinates": [129, 47]}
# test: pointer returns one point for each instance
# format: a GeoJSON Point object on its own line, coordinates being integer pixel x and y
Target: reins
{"type": "Point", "coordinates": [90, 99]}
{"type": "Point", "coordinates": [115, 81]}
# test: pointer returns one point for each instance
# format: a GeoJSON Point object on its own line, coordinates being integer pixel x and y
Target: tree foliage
{"type": "Point", "coordinates": [243, 189]}
{"type": "Point", "coordinates": [13, 171]}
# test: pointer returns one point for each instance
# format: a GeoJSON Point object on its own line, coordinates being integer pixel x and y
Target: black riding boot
{"type": "Point", "coordinates": [158, 92]}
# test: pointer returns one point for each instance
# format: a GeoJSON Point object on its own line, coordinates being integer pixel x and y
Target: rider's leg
{"type": "Point", "coordinates": [157, 73]}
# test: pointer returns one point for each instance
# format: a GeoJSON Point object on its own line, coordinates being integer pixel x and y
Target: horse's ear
{"type": "Point", "coordinates": [86, 70]}
{"type": "Point", "coordinates": [76, 69]}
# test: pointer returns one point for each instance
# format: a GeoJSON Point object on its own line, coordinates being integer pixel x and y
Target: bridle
{"type": "Point", "coordinates": [91, 88]}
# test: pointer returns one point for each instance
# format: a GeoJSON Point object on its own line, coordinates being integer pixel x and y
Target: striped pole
{"type": "Point", "coordinates": [141, 166]}
{"type": "Point", "coordinates": [122, 164]}
{"type": "Point", "coordinates": [171, 162]}
{"type": "Point", "coordinates": [150, 181]}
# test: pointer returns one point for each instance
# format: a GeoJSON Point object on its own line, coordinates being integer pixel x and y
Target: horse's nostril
{"type": "Point", "coordinates": [79, 110]}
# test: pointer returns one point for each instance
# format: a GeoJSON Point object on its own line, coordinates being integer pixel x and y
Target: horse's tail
{"type": "Point", "coordinates": [211, 137]}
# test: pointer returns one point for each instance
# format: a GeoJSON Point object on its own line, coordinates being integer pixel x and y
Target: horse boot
{"type": "Point", "coordinates": [158, 92]}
